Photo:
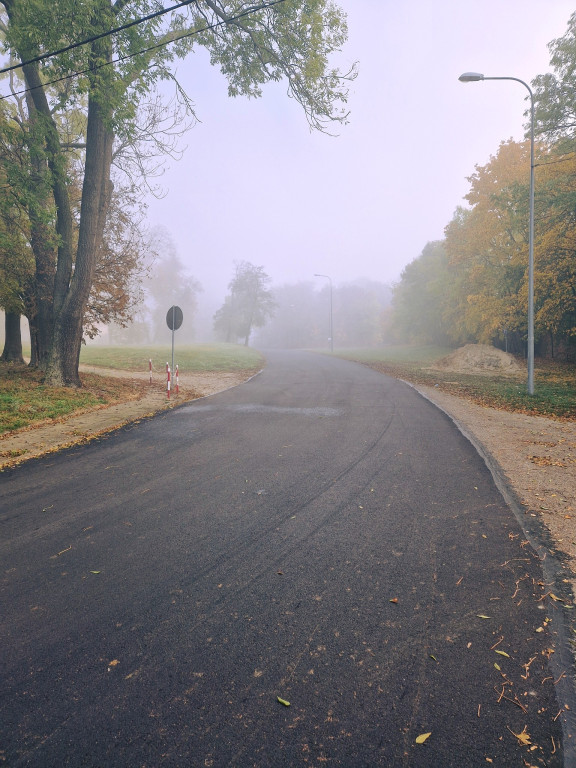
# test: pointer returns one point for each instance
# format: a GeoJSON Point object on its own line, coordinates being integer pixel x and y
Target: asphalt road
{"type": "Point", "coordinates": [321, 535]}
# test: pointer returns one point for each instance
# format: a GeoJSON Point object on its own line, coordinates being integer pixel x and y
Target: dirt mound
{"type": "Point", "coordinates": [480, 358]}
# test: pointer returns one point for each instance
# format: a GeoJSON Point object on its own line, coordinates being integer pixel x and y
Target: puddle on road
{"type": "Point", "coordinates": [267, 409]}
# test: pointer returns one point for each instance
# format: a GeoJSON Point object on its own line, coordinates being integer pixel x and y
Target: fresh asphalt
{"type": "Point", "coordinates": [321, 536]}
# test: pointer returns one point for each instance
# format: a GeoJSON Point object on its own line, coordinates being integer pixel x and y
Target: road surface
{"type": "Point", "coordinates": [320, 536]}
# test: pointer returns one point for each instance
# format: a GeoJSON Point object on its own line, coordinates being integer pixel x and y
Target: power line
{"type": "Point", "coordinates": [207, 28]}
{"type": "Point", "coordinates": [96, 37]}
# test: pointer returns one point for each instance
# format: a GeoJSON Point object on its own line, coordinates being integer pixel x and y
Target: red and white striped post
{"type": "Point", "coordinates": [150, 369]}
{"type": "Point", "coordinates": [177, 387]}
{"type": "Point", "coordinates": [167, 381]}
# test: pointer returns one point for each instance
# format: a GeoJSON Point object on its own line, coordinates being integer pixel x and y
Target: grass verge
{"type": "Point", "coordinates": [555, 383]}
{"type": "Point", "coordinates": [26, 401]}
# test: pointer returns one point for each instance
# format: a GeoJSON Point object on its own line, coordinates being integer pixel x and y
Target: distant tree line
{"type": "Point", "coordinates": [360, 311]}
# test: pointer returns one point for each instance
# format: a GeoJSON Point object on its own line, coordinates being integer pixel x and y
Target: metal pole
{"type": "Point", "coordinates": [331, 321]}
{"type": "Point", "coordinates": [531, 255]}
{"type": "Point", "coordinates": [331, 311]}
{"type": "Point", "coordinates": [471, 77]}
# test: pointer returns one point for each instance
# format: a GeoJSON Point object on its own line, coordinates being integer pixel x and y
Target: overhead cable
{"type": "Point", "coordinates": [207, 28]}
{"type": "Point", "coordinates": [71, 47]}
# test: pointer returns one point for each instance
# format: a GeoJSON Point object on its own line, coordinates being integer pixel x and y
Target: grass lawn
{"type": "Point", "coordinates": [555, 383]}
{"type": "Point", "coordinates": [199, 357]}
{"type": "Point", "coordinates": [25, 400]}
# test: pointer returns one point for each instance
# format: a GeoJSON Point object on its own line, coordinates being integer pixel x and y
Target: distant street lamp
{"type": "Point", "coordinates": [331, 315]}
{"type": "Point", "coordinates": [473, 77]}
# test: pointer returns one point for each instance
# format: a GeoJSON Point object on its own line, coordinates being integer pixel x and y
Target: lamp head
{"type": "Point", "coordinates": [470, 77]}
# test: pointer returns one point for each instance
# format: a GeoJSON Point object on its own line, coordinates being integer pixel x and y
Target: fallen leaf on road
{"type": "Point", "coordinates": [422, 738]}
{"type": "Point", "coordinates": [283, 701]}
{"type": "Point", "coordinates": [393, 600]}
{"type": "Point", "coordinates": [94, 571]}
{"type": "Point", "coordinates": [481, 616]}
{"type": "Point", "coordinates": [523, 737]}
{"type": "Point", "coordinates": [503, 653]}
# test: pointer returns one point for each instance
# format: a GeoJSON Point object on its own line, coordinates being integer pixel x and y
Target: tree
{"type": "Point", "coordinates": [555, 238]}
{"type": "Point", "coordinates": [358, 311]}
{"type": "Point", "coordinates": [554, 96]}
{"type": "Point", "coordinates": [12, 352]}
{"type": "Point", "coordinates": [83, 112]}
{"type": "Point", "coordinates": [487, 247]}
{"type": "Point", "coordinates": [16, 269]}
{"type": "Point", "coordinates": [248, 305]}
{"type": "Point", "coordinates": [169, 285]}
{"type": "Point", "coordinates": [120, 270]}
{"type": "Point", "coordinates": [419, 298]}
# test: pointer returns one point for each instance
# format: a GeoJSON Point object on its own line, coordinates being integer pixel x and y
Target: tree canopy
{"type": "Point", "coordinates": [90, 123]}
{"type": "Point", "coordinates": [248, 305]}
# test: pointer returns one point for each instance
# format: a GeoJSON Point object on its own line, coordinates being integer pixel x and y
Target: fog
{"type": "Point", "coordinates": [254, 184]}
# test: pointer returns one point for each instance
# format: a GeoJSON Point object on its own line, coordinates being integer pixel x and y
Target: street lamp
{"type": "Point", "coordinates": [473, 77]}
{"type": "Point", "coordinates": [331, 315]}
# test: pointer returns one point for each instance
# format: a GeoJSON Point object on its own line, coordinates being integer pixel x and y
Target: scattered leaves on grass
{"type": "Point", "coordinates": [422, 738]}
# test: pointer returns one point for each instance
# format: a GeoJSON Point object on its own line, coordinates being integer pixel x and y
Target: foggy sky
{"type": "Point", "coordinates": [254, 184]}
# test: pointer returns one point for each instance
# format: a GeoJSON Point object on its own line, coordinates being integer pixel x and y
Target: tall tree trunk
{"type": "Point", "coordinates": [62, 367]}
{"type": "Point", "coordinates": [40, 208]}
{"type": "Point", "coordinates": [13, 339]}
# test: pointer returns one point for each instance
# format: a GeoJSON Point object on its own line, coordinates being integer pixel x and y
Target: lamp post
{"type": "Point", "coordinates": [473, 77]}
{"type": "Point", "coordinates": [331, 315]}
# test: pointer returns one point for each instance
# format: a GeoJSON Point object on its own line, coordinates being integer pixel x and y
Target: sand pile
{"type": "Point", "coordinates": [480, 358]}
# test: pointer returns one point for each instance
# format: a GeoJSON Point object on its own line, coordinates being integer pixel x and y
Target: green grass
{"type": "Point", "coordinates": [25, 400]}
{"type": "Point", "coordinates": [555, 383]}
{"type": "Point", "coordinates": [401, 353]}
{"type": "Point", "coordinates": [199, 357]}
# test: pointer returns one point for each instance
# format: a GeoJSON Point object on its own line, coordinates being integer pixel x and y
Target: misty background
{"type": "Point", "coordinates": [254, 185]}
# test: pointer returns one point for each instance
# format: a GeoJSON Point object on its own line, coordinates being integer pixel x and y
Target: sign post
{"type": "Point", "coordinates": [174, 319]}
